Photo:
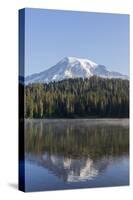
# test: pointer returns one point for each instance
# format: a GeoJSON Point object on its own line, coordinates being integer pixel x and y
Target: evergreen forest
{"type": "Point", "coordinates": [77, 98]}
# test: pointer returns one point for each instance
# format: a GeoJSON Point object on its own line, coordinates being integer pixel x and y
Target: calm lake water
{"type": "Point", "coordinates": [76, 153]}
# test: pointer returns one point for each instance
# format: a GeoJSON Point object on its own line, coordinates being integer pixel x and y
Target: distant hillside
{"type": "Point", "coordinates": [75, 98]}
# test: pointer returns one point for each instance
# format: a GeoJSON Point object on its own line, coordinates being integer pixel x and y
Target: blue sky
{"type": "Point", "coordinates": [52, 35]}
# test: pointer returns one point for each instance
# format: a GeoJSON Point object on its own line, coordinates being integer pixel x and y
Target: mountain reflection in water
{"type": "Point", "coordinates": [78, 150]}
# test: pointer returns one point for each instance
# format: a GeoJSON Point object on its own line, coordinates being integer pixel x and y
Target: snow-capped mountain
{"type": "Point", "coordinates": [72, 67]}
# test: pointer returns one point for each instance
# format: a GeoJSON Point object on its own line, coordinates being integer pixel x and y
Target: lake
{"type": "Point", "coordinates": [76, 153]}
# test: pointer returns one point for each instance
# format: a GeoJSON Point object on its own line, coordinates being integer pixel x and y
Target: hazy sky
{"type": "Point", "coordinates": [52, 35]}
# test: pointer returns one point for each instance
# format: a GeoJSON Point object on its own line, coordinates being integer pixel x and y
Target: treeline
{"type": "Point", "coordinates": [94, 97]}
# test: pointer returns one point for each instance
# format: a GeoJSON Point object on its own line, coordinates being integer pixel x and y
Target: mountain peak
{"type": "Point", "coordinates": [78, 60]}
{"type": "Point", "coordinates": [73, 67]}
